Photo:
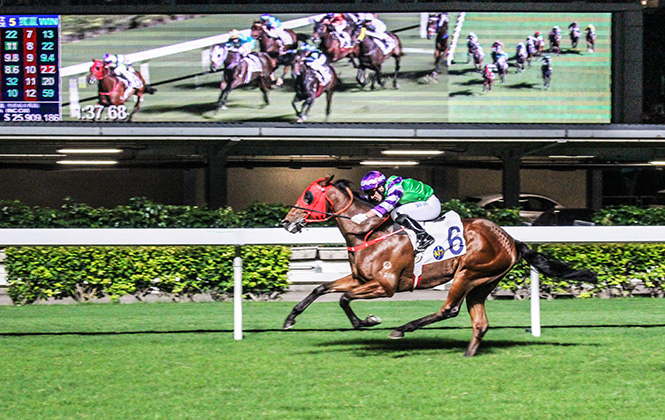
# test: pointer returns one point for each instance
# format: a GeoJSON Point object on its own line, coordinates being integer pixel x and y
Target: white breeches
{"type": "Point", "coordinates": [420, 210]}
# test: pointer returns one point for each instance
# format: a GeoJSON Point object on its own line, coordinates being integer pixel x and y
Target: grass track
{"type": "Point", "coordinates": [597, 359]}
{"type": "Point", "coordinates": [579, 94]}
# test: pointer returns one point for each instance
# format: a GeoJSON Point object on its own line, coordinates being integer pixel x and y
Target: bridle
{"type": "Point", "coordinates": [316, 208]}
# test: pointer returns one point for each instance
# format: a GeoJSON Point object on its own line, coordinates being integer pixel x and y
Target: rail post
{"type": "Point", "coordinates": [535, 303]}
{"type": "Point", "coordinates": [237, 295]}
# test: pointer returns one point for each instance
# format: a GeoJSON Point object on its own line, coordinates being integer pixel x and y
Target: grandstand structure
{"type": "Point", "coordinates": [219, 163]}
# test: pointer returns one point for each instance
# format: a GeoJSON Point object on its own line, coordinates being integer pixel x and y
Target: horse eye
{"type": "Point", "coordinates": [308, 198]}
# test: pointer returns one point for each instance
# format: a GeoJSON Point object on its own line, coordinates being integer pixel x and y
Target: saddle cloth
{"type": "Point", "coordinates": [386, 45]}
{"type": "Point", "coordinates": [253, 66]}
{"type": "Point", "coordinates": [324, 76]}
{"type": "Point", "coordinates": [448, 243]}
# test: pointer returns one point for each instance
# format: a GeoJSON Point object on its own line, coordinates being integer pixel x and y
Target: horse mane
{"type": "Point", "coordinates": [343, 184]}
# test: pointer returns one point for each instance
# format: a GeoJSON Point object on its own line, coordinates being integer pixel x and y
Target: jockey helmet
{"type": "Point", "coordinates": [472, 35]}
{"type": "Point", "coordinates": [537, 33]}
{"type": "Point", "coordinates": [110, 59]}
{"type": "Point", "coordinates": [593, 28]}
{"type": "Point", "coordinates": [234, 34]}
{"type": "Point", "coordinates": [372, 180]}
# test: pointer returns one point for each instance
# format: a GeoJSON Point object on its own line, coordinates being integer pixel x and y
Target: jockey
{"type": "Point", "coordinates": [242, 43]}
{"type": "Point", "coordinates": [556, 32]}
{"type": "Point", "coordinates": [497, 49]}
{"type": "Point", "coordinates": [574, 27]}
{"type": "Point", "coordinates": [488, 73]}
{"type": "Point", "coordinates": [538, 41]}
{"type": "Point", "coordinates": [339, 23]}
{"type": "Point", "coordinates": [520, 50]}
{"type": "Point", "coordinates": [272, 26]}
{"type": "Point", "coordinates": [408, 201]}
{"type": "Point", "coordinates": [317, 61]}
{"type": "Point", "coordinates": [377, 29]}
{"type": "Point", "coordinates": [591, 31]}
{"type": "Point", "coordinates": [121, 66]}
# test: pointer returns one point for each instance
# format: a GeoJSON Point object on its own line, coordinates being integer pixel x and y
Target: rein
{"type": "Point", "coordinates": [373, 241]}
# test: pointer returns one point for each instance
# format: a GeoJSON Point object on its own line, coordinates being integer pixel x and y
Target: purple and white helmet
{"type": "Point", "coordinates": [372, 180]}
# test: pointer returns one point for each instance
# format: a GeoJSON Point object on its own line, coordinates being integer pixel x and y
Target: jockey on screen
{"type": "Point", "coordinates": [377, 29]}
{"type": "Point", "coordinates": [242, 43]}
{"type": "Point", "coordinates": [121, 66]}
{"type": "Point", "coordinates": [497, 49]}
{"type": "Point", "coordinates": [273, 28]}
{"type": "Point", "coordinates": [317, 61]}
{"type": "Point", "coordinates": [407, 200]}
{"type": "Point", "coordinates": [339, 23]}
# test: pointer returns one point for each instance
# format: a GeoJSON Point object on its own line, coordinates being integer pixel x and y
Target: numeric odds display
{"type": "Point", "coordinates": [29, 59]}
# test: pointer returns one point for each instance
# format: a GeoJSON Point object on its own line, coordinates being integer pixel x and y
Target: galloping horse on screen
{"type": "Point", "coordinates": [309, 86]}
{"type": "Point", "coordinates": [331, 45]}
{"type": "Point", "coordinates": [437, 24]}
{"type": "Point", "coordinates": [269, 44]}
{"type": "Point", "coordinates": [371, 57]}
{"type": "Point", "coordinates": [382, 261]}
{"type": "Point", "coordinates": [112, 90]}
{"type": "Point", "coordinates": [239, 71]}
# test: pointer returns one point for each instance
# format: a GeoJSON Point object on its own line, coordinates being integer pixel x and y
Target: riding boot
{"type": "Point", "coordinates": [423, 239]}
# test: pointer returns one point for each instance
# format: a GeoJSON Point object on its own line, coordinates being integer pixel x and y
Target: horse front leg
{"type": "Point", "coordinates": [264, 82]}
{"type": "Point", "coordinates": [370, 290]}
{"type": "Point", "coordinates": [223, 97]}
{"type": "Point", "coordinates": [340, 285]}
{"type": "Point", "coordinates": [360, 77]}
{"type": "Point", "coordinates": [329, 94]}
{"type": "Point", "coordinates": [397, 68]}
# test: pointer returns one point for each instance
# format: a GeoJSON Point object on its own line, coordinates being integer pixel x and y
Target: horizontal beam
{"type": "Point", "coordinates": [278, 236]}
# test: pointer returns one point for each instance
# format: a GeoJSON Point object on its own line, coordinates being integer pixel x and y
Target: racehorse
{"type": "Point", "coordinates": [239, 71]}
{"type": "Point", "coordinates": [478, 56]}
{"type": "Point", "coordinates": [546, 73]}
{"type": "Point", "coordinates": [488, 78]}
{"type": "Point", "coordinates": [112, 90]}
{"type": "Point", "coordinates": [331, 45]}
{"type": "Point", "coordinates": [269, 44]}
{"type": "Point", "coordinates": [520, 59]}
{"type": "Point", "coordinates": [370, 56]}
{"type": "Point", "coordinates": [590, 40]}
{"type": "Point", "coordinates": [308, 87]}
{"type": "Point", "coordinates": [382, 261]}
{"type": "Point", "coordinates": [574, 37]}
{"type": "Point", "coordinates": [437, 24]}
{"type": "Point", "coordinates": [555, 42]}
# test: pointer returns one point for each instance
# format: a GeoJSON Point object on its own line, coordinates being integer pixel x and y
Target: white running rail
{"type": "Point", "coordinates": [278, 236]}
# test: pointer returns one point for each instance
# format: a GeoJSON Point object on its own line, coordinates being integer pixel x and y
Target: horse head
{"type": "Point", "coordinates": [312, 206]}
{"type": "Point", "coordinates": [320, 28]}
{"type": "Point", "coordinates": [98, 71]}
{"type": "Point", "coordinates": [257, 30]}
{"type": "Point", "coordinates": [222, 57]}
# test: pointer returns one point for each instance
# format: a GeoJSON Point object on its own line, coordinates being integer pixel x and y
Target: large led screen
{"type": "Point", "coordinates": [173, 53]}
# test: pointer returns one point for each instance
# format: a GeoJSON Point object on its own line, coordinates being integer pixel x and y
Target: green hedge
{"type": "Point", "coordinates": [622, 269]}
{"type": "Point", "coordinates": [82, 273]}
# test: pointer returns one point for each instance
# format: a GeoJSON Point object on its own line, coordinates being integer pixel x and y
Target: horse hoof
{"type": "Point", "coordinates": [396, 335]}
{"type": "Point", "coordinates": [223, 107]}
{"type": "Point", "coordinates": [372, 320]}
{"type": "Point", "coordinates": [289, 323]}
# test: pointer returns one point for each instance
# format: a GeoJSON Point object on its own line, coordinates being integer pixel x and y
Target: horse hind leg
{"type": "Point", "coordinates": [475, 303]}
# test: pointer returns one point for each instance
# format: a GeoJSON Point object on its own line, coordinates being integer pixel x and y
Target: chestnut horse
{"type": "Point", "coordinates": [330, 43]}
{"type": "Point", "coordinates": [268, 44]}
{"type": "Point", "coordinates": [437, 24]}
{"type": "Point", "coordinates": [382, 261]}
{"type": "Point", "coordinates": [112, 90]}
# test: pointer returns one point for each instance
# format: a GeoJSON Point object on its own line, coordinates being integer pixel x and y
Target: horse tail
{"type": "Point", "coordinates": [552, 267]}
{"type": "Point", "coordinates": [149, 89]}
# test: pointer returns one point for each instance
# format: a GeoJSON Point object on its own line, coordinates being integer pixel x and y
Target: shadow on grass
{"type": "Point", "coordinates": [402, 347]}
{"type": "Point", "coordinates": [297, 330]}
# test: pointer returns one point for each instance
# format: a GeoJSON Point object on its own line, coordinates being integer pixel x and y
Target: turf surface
{"type": "Point", "coordinates": [596, 359]}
